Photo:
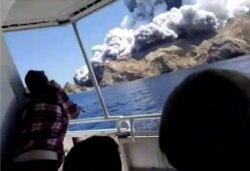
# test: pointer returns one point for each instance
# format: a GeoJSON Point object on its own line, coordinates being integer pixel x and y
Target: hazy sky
{"type": "Point", "coordinates": [55, 50]}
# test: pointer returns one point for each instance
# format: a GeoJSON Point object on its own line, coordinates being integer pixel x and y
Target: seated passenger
{"type": "Point", "coordinates": [94, 154]}
{"type": "Point", "coordinates": [205, 124]}
{"type": "Point", "coordinates": [44, 124]}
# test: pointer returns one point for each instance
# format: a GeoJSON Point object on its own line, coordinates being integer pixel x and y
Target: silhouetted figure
{"type": "Point", "coordinates": [94, 154]}
{"type": "Point", "coordinates": [44, 124]}
{"type": "Point", "coordinates": [205, 124]}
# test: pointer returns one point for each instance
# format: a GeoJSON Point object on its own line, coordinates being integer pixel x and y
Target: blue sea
{"type": "Point", "coordinates": [144, 96]}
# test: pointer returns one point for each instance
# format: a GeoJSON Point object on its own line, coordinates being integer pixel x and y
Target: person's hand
{"type": "Point", "coordinates": [54, 84]}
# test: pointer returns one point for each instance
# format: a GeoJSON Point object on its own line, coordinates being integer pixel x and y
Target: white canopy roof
{"type": "Point", "coordinates": [26, 14]}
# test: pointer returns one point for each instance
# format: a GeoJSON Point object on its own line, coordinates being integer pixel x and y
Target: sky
{"type": "Point", "coordinates": [55, 50]}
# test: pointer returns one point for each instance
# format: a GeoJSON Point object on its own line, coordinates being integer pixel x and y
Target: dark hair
{"type": "Point", "coordinates": [40, 88]}
{"type": "Point", "coordinates": [205, 123]}
{"type": "Point", "coordinates": [36, 81]}
{"type": "Point", "coordinates": [94, 154]}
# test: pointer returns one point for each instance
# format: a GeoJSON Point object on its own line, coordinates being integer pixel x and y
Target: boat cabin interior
{"type": "Point", "coordinates": [139, 149]}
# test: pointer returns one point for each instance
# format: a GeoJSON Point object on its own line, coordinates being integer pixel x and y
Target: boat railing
{"type": "Point", "coordinates": [120, 130]}
{"type": "Point", "coordinates": [128, 120]}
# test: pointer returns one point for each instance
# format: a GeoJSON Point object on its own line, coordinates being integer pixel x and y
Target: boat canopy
{"type": "Point", "coordinates": [30, 14]}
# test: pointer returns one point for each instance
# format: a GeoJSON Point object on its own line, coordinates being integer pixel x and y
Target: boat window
{"type": "Point", "coordinates": [139, 51]}
{"type": "Point", "coordinates": [56, 51]}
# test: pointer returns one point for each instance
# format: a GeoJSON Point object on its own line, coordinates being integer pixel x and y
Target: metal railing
{"type": "Point", "coordinates": [128, 120]}
{"type": "Point", "coordinates": [91, 72]}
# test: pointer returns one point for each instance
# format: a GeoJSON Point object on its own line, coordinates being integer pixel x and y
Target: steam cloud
{"type": "Point", "coordinates": [150, 21]}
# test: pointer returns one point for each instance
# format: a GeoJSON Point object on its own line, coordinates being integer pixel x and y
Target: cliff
{"type": "Point", "coordinates": [72, 88]}
{"type": "Point", "coordinates": [231, 41]}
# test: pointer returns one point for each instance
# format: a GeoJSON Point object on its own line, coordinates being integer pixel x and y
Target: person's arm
{"type": "Point", "coordinates": [69, 107]}
{"type": "Point", "coordinates": [54, 84]}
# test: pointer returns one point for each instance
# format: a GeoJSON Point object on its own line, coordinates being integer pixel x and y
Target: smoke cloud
{"type": "Point", "coordinates": [151, 21]}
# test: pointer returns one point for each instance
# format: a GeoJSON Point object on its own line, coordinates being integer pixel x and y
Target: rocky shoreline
{"type": "Point", "coordinates": [229, 42]}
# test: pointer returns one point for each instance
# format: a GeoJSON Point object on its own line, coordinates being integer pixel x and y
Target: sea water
{"type": "Point", "coordinates": [144, 96]}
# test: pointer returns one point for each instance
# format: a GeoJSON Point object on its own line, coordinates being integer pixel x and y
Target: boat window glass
{"type": "Point", "coordinates": [140, 50]}
{"type": "Point", "coordinates": [56, 51]}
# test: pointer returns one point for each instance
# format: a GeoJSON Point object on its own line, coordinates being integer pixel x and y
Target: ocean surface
{"type": "Point", "coordinates": [144, 96]}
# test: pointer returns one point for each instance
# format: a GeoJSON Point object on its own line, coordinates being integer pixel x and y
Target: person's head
{"type": "Point", "coordinates": [36, 81]}
{"type": "Point", "coordinates": [94, 154]}
{"type": "Point", "coordinates": [205, 123]}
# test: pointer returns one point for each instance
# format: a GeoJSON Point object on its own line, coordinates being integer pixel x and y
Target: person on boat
{"type": "Point", "coordinates": [94, 154]}
{"type": "Point", "coordinates": [205, 124]}
{"type": "Point", "coordinates": [44, 124]}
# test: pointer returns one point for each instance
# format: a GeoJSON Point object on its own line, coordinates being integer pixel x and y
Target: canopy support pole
{"type": "Point", "coordinates": [91, 72]}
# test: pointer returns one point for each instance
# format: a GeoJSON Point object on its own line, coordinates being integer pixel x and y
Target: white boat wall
{"type": "Point", "coordinates": [11, 94]}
